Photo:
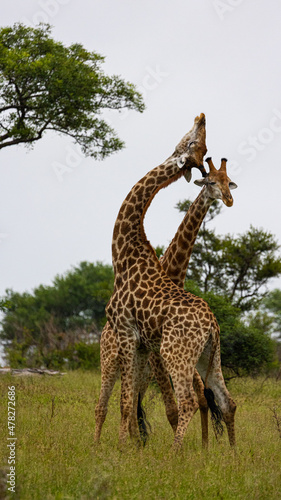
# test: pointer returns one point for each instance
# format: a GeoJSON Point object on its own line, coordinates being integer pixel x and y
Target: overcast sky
{"type": "Point", "coordinates": [217, 57]}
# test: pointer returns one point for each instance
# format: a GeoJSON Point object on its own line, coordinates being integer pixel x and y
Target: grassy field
{"type": "Point", "coordinates": [57, 459]}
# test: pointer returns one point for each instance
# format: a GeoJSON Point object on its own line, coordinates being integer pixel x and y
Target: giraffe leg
{"type": "Point", "coordinates": [108, 381]}
{"type": "Point", "coordinates": [215, 381]}
{"type": "Point", "coordinates": [129, 363]}
{"type": "Point", "coordinates": [163, 379]}
{"type": "Point", "coordinates": [203, 407]}
{"type": "Point", "coordinates": [182, 376]}
{"type": "Point", "coordinates": [142, 377]}
{"type": "Point", "coordinates": [186, 406]}
{"type": "Point", "coordinates": [109, 374]}
{"type": "Point", "coordinates": [181, 347]}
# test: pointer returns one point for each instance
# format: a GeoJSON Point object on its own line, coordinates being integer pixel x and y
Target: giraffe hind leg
{"type": "Point", "coordinates": [139, 424]}
{"type": "Point", "coordinates": [143, 424]}
{"type": "Point", "coordinates": [203, 407]}
{"type": "Point", "coordinates": [163, 379]}
{"type": "Point", "coordinates": [182, 381]}
{"type": "Point", "coordinates": [223, 400]}
{"type": "Point", "coordinates": [109, 377]}
{"type": "Point", "coordinates": [129, 359]}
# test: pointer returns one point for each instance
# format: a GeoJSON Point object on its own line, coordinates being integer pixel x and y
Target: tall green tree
{"type": "Point", "coordinates": [46, 326]}
{"type": "Point", "coordinates": [47, 86]}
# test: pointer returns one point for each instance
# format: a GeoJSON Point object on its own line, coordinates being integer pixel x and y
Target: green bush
{"type": "Point", "coordinates": [85, 356]}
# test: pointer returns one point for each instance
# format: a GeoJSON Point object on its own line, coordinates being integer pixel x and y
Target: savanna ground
{"type": "Point", "coordinates": [56, 458]}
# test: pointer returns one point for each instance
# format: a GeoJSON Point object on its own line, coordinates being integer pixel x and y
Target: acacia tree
{"type": "Point", "coordinates": [46, 86]}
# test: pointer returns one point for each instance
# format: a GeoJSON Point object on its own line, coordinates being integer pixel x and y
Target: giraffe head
{"type": "Point", "coordinates": [217, 182]}
{"type": "Point", "coordinates": [191, 149]}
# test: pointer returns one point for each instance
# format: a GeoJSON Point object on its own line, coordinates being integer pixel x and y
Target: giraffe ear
{"type": "Point", "coordinates": [232, 185]}
{"type": "Point", "coordinates": [181, 160]}
{"type": "Point", "coordinates": [200, 182]}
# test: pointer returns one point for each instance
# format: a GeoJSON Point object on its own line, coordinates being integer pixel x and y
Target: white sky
{"type": "Point", "coordinates": [217, 57]}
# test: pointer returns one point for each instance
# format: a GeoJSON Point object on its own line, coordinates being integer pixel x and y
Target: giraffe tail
{"type": "Point", "coordinates": [217, 416]}
{"type": "Point", "coordinates": [142, 422]}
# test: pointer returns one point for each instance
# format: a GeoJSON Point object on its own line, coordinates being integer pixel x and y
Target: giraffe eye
{"type": "Point", "coordinates": [212, 183]}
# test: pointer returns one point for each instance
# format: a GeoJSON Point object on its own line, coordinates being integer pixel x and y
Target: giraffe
{"type": "Point", "coordinates": [108, 347]}
{"type": "Point", "coordinates": [216, 185]}
{"type": "Point", "coordinates": [174, 262]}
{"type": "Point", "coordinates": [148, 312]}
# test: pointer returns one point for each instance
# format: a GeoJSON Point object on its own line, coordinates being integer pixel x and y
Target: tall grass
{"type": "Point", "coordinates": [58, 460]}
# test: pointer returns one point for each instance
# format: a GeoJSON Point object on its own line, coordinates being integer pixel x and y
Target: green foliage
{"type": "Point", "coordinates": [247, 350]}
{"type": "Point", "coordinates": [250, 261]}
{"type": "Point", "coordinates": [159, 250]}
{"type": "Point", "coordinates": [50, 326]}
{"type": "Point", "coordinates": [85, 356]}
{"type": "Point", "coordinates": [272, 304]}
{"type": "Point", "coordinates": [246, 346]}
{"type": "Point", "coordinates": [46, 86]}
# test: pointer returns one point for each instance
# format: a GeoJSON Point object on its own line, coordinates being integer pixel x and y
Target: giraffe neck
{"type": "Point", "coordinates": [176, 258]}
{"type": "Point", "coordinates": [129, 235]}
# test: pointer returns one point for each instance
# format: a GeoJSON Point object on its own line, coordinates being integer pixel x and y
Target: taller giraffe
{"type": "Point", "coordinates": [174, 262]}
{"type": "Point", "coordinates": [148, 312]}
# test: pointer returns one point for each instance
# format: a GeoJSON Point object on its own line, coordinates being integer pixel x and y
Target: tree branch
{"type": "Point", "coordinates": [5, 108]}
{"type": "Point", "coordinates": [18, 140]}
